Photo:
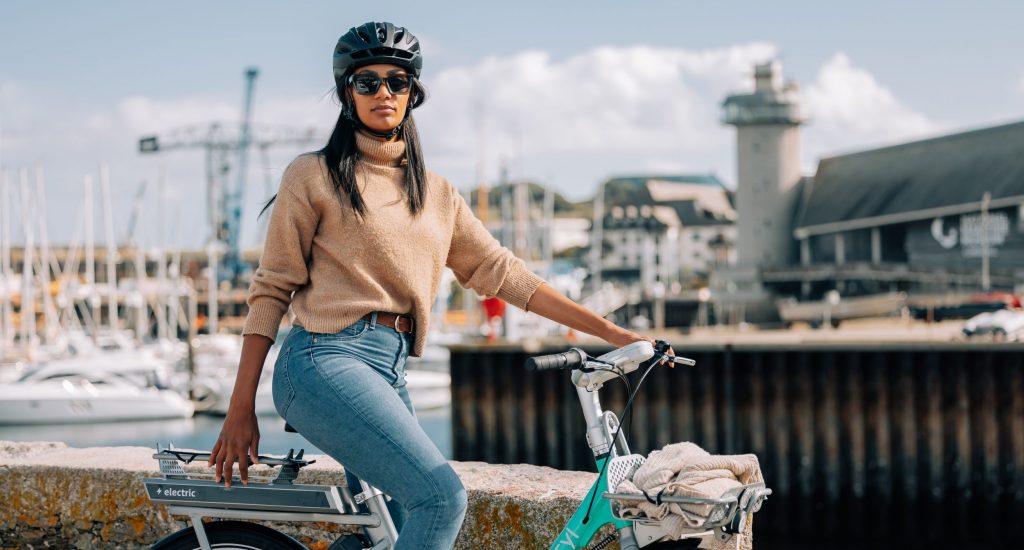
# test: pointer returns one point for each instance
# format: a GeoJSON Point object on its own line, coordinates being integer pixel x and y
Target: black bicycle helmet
{"type": "Point", "coordinates": [377, 43]}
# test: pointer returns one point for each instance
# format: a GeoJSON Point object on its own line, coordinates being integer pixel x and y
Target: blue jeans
{"type": "Point", "coordinates": [345, 392]}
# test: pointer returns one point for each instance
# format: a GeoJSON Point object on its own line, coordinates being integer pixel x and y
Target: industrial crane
{"type": "Point", "coordinates": [224, 200]}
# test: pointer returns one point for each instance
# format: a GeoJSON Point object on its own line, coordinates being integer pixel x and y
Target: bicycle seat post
{"type": "Point", "coordinates": [373, 498]}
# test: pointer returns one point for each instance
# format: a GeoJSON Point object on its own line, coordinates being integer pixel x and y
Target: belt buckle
{"type": "Point", "coordinates": [398, 319]}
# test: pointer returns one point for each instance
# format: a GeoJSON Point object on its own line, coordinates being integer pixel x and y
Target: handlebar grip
{"type": "Point", "coordinates": [685, 361]}
{"type": "Point", "coordinates": [571, 359]}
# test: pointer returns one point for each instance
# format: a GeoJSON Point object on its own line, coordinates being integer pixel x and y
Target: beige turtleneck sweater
{"type": "Point", "coordinates": [333, 267]}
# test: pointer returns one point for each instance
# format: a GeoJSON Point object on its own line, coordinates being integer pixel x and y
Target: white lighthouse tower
{"type": "Point", "coordinates": [768, 168]}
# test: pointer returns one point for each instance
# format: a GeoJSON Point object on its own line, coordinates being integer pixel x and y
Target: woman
{"type": "Point", "coordinates": [360, 232]}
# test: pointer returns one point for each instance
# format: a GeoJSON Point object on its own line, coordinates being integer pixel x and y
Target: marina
{"type": "Point", "coordinates": [836, 241]}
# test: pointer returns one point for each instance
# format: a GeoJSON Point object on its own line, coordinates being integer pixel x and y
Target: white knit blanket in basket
{"type": "Point", "coordinates": [686, 470]}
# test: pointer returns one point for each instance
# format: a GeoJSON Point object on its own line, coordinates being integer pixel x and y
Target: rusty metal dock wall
{"type": "Point", "coordinates": [865, 446]}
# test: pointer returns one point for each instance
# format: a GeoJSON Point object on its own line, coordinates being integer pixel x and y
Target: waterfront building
{"type": "Point", "coordinates": [671, 232]}
{"type": "Point", "coordinates": [930, 217]}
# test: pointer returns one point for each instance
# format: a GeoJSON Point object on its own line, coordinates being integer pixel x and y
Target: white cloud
{"type": "Point", "coordinates": [38, 126]}
{"type": "Point", "coordinates": [654, 104]}
{"type": "Point", "coordinates": [568, 122]}
{"type": "Point", "coordinates": [849, 108]}
{"type": "Point", "coordinates": [606, 99]}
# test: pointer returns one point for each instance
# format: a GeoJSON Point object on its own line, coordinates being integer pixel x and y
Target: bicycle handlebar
{"type": "Point", "coordinates": [576, 358]}
{"type": "Point", "coordinates": [572, 359]}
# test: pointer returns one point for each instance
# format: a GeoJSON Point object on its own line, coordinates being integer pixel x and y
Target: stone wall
{"type": "Point", "coordinates": [55, 496]}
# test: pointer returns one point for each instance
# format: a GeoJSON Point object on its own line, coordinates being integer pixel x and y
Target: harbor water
{"type": "Point", "coordinates": [200, 432]}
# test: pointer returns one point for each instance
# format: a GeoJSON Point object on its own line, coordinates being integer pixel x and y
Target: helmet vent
{"type": "Point", "coordinates": [363, 35]}
{"type": "Point", "coordinates": [399, 34]}
{"type": "Point", "coordinates": [382, 35]}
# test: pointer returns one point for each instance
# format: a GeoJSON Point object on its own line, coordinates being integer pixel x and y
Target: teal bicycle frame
{"type": "Point", "coordinates": [614, 462]}
{"type": "Point", "coordinates": [601, 425]}
{"type": "Point", "coordinates": [576, 533]}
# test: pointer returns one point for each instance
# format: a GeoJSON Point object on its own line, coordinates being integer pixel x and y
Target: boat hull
{"type": "Point", "coordinates": [20, 405]}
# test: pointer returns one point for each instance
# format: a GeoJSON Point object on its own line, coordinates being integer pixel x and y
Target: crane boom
{"type": "Point", "coordinates": [227, 194]}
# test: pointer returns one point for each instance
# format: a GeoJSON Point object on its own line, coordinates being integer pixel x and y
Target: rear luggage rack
{"type": "Point", "coordinates": [272, 497]}
{"type": "Point", "coordinates": [171, 461]}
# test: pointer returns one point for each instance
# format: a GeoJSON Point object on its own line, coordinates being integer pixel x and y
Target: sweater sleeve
{"type": "Point", "coordinates": [479, 262]}
{"type": "Point", "coordinates": [283, 265]}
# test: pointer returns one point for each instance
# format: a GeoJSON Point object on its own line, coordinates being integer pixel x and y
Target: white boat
{"type": "Point", "coordinates": [216, 363]}
{"type": "Point", "coordinates": [82, 397]}
{"type": "Point", "coordinates": [143, 367]}
{"type": "Point", "coordinates": [435, 358]}
{"type": "Point", "coordinates": [11, 372]}
{"type": "Point", "coordinates": [133, 384]}
{"type": "Point", "coordinates": [429, 390]}
{"type": "Point", "coordinates": [212, 388]}
{"type": "Point", "coordinates": [819, 312]}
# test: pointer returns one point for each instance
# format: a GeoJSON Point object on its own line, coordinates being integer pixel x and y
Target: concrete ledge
{"type": "Point", "coordinates": [60, 497]}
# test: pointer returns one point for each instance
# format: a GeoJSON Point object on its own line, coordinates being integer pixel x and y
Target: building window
{"type": "Point", "coordinates": [858, 245]}
{"type": "Point", "coordinates": [894, 243]}
{"type": "Point", "coordinates": [823, 248]}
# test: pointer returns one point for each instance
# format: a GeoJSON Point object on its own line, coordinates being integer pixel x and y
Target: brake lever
{"type": "Point", "coordinates": [662, 347]}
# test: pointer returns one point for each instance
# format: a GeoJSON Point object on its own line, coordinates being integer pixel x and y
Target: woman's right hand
{"type": "Point", "coordinates": [238, 442]}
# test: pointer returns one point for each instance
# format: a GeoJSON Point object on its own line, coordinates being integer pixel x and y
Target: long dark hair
{"type": "Point", "coordinates": [341, 155]}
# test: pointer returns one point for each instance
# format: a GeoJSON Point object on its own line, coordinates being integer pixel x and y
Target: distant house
{"type": "Point", "coordinates": [666, 229]}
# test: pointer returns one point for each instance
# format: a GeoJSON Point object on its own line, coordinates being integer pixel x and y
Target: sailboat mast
{"type": "Point", "coordinates": [108, 229]}
{"type": "Point", "coordinates": [28, 297]}
{"type": "Point", "coordinates": [163, 295]}
{"type": "Point", "coordinates": [49, 313]}
{"type": "Point", "coordinates": [5, 261]}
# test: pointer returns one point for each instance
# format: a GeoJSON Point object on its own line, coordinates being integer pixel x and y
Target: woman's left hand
{"type": "Point", "coordinates": [623, 337]}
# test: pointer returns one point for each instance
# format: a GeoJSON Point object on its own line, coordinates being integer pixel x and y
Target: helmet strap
{"type": "Point", "coordinates": [349, 112]}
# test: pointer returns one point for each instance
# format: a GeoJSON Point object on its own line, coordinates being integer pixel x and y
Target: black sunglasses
{"type": "Point", "coordinates": [368, 83]}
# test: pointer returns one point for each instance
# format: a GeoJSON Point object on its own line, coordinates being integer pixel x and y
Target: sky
{"type": "Point", "coordinates": [564, 93]}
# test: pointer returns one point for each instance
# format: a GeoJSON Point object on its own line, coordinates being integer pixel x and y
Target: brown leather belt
{"type": "Point", "coordinates": [399, 323]}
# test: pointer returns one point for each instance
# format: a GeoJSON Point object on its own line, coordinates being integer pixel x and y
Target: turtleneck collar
{"type": "Point", "coordinates": [384, 153]}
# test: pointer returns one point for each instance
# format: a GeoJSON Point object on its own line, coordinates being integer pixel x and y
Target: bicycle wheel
{"type": "Point", "coordinates": [230, 535]}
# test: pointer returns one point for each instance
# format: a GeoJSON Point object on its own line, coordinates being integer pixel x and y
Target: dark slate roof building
{"type": "Point", "coordinates": [933, 215]}
{"type": "Point", "coordinates": [915, 181]}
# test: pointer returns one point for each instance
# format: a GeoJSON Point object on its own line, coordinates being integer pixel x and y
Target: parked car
{"type": "Point", "coordinates": [1003, 326]}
